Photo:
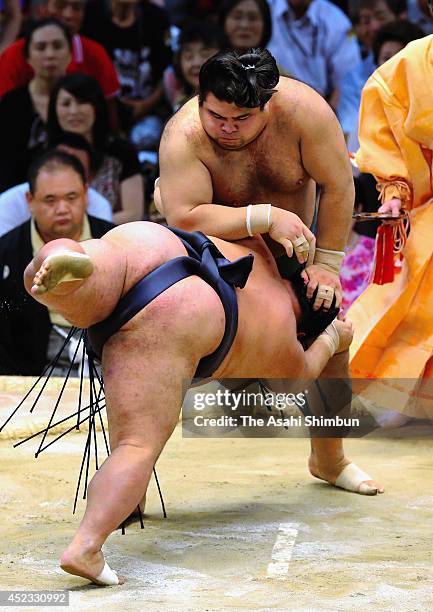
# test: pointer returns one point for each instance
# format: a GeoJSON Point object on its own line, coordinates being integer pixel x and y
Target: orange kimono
{"type": "Point", "coordinates": [394, 322]}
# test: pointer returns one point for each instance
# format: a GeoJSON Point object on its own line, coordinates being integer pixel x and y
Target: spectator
{"type": "Point", "coordinates": [418, 12]}
{"type": "Point", "coordinates": [11, 23]}
{"type": "Point", "coordinates": [312, 40]}
{"type": "Point", "coordinates": [198, 41]}
{"type": "Point", "coordinates": [247, 23]}
{"type": "Point", "coordinates": [13, 204]}
{"type": "Point", "coordinates": [77, 105]}
{"type": "Point", "coordinates": [393, 38]}
{"type": "Point", "coordinates": [134, 35]}
{"type": "Point", "coordinates": [23, 111]}
{"type": "Point", "coordinates": [368, 16]}
{"type": "Point", "coordinates": [30, 335]}
{"type": "Point", "coordinates": [88, 56]}
{"type": "Point", "coordinates": [181, 11]}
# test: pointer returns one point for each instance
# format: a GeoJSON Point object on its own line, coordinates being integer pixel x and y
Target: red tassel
{"type": "Point", "coordinates": [383, 270]}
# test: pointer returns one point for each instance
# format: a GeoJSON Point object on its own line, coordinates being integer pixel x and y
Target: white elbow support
{"type": "Point", "coordinates": [258, 219]}
{"type": "Point", "coordinates": [330, 260]}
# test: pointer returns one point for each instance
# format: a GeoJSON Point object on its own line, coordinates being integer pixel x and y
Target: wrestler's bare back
{"type": "Point", "coordinates": [267, 327]}
{"type": "Point", "coordinates": [266, 303]}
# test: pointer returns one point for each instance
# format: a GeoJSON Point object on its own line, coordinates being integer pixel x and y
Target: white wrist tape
{"type": "Point", "coordinates": [258, 219]}
{"type": "Point", "coordinates": [248, 220]}
{"type": "Point", "coordinates": [331, 337]}
{"type": "Point", "coordinates": [269, 215]}
{"type": "Point", "coordinates": [330, 260]}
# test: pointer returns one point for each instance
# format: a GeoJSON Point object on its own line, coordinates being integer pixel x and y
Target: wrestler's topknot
{"type": "Point", "coordinates": [246, 79]}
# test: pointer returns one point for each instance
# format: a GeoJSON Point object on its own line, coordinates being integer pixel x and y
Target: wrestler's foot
{"type": "Point", "coordinates": [61, 267]}
{"type": "Point", "coordinates": [345, 475]}
{"type": "Point", "coordinates": [89, 564]}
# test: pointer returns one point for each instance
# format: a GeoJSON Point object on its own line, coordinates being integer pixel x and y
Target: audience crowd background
{"type": "Point", "coordinates": [95, 81]}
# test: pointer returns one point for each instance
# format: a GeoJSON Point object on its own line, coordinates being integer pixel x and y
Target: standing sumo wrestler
{"type": "Point", "coordinates": [251, 137]}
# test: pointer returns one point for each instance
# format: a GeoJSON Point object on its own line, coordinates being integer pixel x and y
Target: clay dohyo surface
{"type": "Point", "coordinates": [228, 502]}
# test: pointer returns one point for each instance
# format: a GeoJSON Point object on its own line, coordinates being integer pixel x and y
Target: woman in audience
{"type": "Point", "coordinates": [134, 33]}
{"type": "Point", "coordinates": [198, 41]}
{"type": "Point", "coordinates": [77, 104]}
{"type": "Point", "coordinates": [247, 23]}
{"type": "Point", "coordinates": [23, 111]}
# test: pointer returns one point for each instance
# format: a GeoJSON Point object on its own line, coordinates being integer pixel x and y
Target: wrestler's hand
{"type": "Point", "coordinates": [344, 328]}
{"type": "Point", "coordinates": [329, 284]}
{"type": "Point", "coordinates": [392, 206]}
{"type": "Point", "coordinates": [288, 229]}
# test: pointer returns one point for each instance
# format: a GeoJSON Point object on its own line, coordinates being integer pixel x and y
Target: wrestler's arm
{"type": "Point", "coordinates": [312, 361]}
{"type": "Point", "coordinates": [336, 338]}
{"type": "Point", "coordinates": [325, 158]}
{"type": "Point", "coordinates": [186, 191]}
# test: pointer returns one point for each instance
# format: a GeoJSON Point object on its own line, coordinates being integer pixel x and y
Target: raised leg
{"type": "Point", "coordinates": [83, 281]}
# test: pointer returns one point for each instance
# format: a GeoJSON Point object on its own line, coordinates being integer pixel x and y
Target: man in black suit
{"type": "Point", "coordinates": [30, 334]}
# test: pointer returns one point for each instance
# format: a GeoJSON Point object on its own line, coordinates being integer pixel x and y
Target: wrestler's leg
{"type": "Point", "coordinates": [327, 459]}
{"type": "Point", "coordinates": [143, 406]}
{"type": "Point", "coordinates": [145, 365]}
{"type": "Point", "coordinates": [100, 275]}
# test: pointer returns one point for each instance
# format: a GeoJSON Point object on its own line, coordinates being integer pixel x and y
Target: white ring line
{"type": "Point", "coordinates": [283, 550]}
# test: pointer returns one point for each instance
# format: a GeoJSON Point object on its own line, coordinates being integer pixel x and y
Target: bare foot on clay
{"type": "Point", "coordinates": [61, 267]}
{"type": "Point", "coordinates": [90, 565]}
{"type": "Point", "coordinates": [345, 475]}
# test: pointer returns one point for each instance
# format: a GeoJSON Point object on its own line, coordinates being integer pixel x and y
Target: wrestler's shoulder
{"type": "Point", "coordinates": [186, 122]}
{"type": "Point", "coordinates": [294, 95]}
{"type": "Point", "coordinates": [299, 101]}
